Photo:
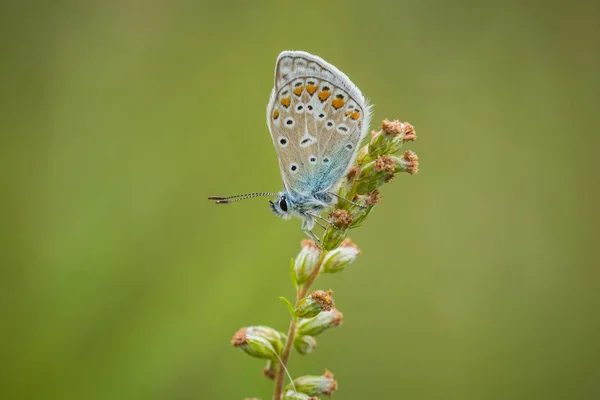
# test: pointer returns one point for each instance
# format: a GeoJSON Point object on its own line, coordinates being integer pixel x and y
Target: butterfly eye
{"type": "Point", "coordinates": [283, 204]}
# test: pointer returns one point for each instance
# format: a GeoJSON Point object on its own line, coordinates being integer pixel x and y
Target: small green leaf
{"type": "Point", "coordinates": [289, 306]}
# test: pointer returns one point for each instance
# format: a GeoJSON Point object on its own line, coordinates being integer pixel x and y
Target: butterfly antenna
{"type": "Point", "coordinates": [238, 197]}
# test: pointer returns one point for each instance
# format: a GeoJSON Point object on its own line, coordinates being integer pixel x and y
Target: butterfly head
{"type": "Point", "coordinates": [282, 207]}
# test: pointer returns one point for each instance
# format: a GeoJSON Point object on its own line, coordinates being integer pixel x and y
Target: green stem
{"type": "Point", "coordinates": [300, 294]}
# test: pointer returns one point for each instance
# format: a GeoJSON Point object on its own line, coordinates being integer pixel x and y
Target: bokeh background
{"type": "Point", "coordinates": [479, 277]}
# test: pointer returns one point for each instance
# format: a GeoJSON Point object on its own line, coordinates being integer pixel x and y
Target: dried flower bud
{"type": "Point", "coordinates": [395, 128]}
{"type": "Point", "coordinates": [336, 260]}
{"type": "Point", "coordinates": [409, 132]}
{"type": "Point", "coordinates": [352, 173]}
{"type": "Point", "coordinates": [313, 304]}
{"type": "Point", "coordinates": [259, 341]}
{"type": "Point", "coordinates": [405, 133]}
{"type": "Point", "coordinates": [382, 141]}
{"type": "Point", "coordinates": [316, 385]}
{"type": "Point", "coordinates": [320, 323]}
{"type": "Point", "coordinates": [306, 261]}
{"type": "Point", "coordinates": [373, 198]}
{"type": "Point", "coordinates": [291, 395]}
{"type": "Point", "coordinates": [305, 344]}
{"type": "Point", "coordinates": [409, 162]}
{"type": "Point", "coordinates": [391, 136]}
{"type": "Point", "coordinates": [375, 174]}
{"type": "Point", "coordinates": [385, 164]}
{"type": "Point", "coordinates": [340, 218]}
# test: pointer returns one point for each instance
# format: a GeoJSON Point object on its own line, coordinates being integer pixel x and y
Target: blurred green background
{"type": "Point", "coordinates": [479, 277]}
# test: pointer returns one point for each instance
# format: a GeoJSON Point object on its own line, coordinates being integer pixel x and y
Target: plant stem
{"type": "Point", "coordinates": [278, 393]}
{"type": "Point", "coordinates": [284, 359]}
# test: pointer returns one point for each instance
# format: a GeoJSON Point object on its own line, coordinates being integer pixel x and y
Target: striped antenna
{"type": "Point", "coordinates": [238, 197]}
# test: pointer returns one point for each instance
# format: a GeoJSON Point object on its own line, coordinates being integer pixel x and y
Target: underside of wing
{"type": "Point", "coordinates": [317, 118]}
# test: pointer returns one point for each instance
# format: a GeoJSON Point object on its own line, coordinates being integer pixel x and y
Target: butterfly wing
{"type": "Point", "coordinates": [317, 118]}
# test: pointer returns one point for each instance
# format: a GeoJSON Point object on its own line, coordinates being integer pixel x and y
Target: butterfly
{"type": "Point", "coordinates": [317, 119]}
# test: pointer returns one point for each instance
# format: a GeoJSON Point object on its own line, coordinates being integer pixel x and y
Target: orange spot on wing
{"type": "Point", "coordinates": [324, 95]}
{"type": "Point", "coordinates": [311, 89]}
{"type": "Point", "coordinates": [275, 114]}
{"type": "Point", "coordinates": [298, 90]}
{"type": "Point", "coordinates": [338, 103]}
{"type": "Point", "coordinates": [285, 101]}
{"type": "Point", "coordinates": [347, 113]}
{"type": "Point", "coordinates": [355, 115]}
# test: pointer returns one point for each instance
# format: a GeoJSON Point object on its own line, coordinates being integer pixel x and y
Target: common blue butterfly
{"type": "Point", "coordinates": [317, 119]}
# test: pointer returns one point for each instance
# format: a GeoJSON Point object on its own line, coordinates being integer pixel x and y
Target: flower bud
{"type": "Point", "coordinates": [271, 369]}
{"type": "Point", "coordinates": [313, 304]}
{"type": "Point", "coordinates": [384, 164]}
{"type": "Point", "coordinates": [340, 218]}
{"type": "Point", "coordinates": [368, 180]}
{"type": "Point", "coordinates": [378, 144]}
{"type": "Point", "coordinates": [390, 138]}
{"type": "Point", "coordinates": [409, 162]}
{"type": "Point", "coordinates": [320, 323]}
{"type": "Point", "coordinates": [375, 174]}
{"type": "Point", "coordinates": [362, 157]}
{"type": "Point", "coordinates": [336, 260]}
{"type": "Point", "coordinates": [305, 344]}
{"type": "Point", "coordinates": [373, 198]}
{"type": "Point", "coordinates": [306, 261]}
{"type": "Point", "coordinates": [408, 132]}
{"type": "Point", "coordinates": [276, 338]}
{"type": "Point", "coordinates": [333, 237]}
{"type": "Point", "coordinates": [313, 385]}
{"type": "Point", "coordinates": [259, 341]}
{"type": "Point", "coordinates": [360, 216]}
{"type": "Point", "coordinates": [291, 395]}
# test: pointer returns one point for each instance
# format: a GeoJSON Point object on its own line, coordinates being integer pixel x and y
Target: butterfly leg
{"type": "Point", "coordinates": [345, 199]}
{"type": "Point", "coordinates": [317, 217]}
{"type": "Point", "coordinates": [314, 237]}
{"type": "Point", "coordinates": [320, 224]}
{"type": "Point", "coordinates": [306, 228]}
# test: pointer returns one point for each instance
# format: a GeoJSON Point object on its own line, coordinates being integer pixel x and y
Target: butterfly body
{"type": "Point", "coordinates": [304, 207]}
